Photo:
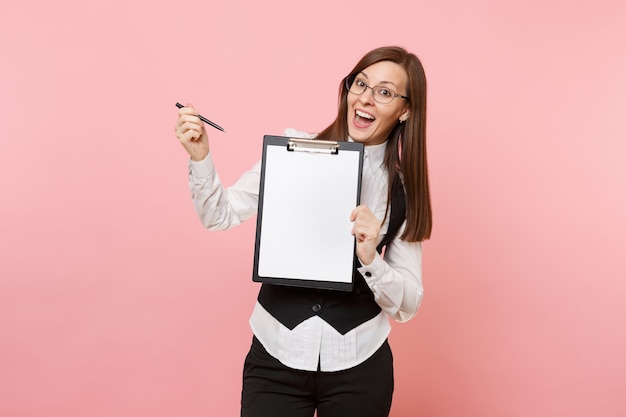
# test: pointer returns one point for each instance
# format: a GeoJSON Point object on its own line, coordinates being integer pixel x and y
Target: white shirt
{"type": "Point", "coordinates": [395, 280]}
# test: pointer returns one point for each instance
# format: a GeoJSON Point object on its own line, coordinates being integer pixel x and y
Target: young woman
{"type": "Point", "coordinates": [323, 350]}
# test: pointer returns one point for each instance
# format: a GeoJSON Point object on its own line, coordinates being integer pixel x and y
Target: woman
{"type": "Point", "coordinates": [340, 365]}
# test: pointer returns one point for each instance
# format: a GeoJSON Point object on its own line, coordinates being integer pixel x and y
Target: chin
{"type": "Point", "coordinates": [366, 139]}
{"type": "Point", "coordinates": [358, 136]}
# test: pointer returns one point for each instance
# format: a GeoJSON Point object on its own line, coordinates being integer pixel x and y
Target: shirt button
{"type": "Point", "coordinates": [368, 274]}
{"type": "Point", "coordinates": [316, 308]}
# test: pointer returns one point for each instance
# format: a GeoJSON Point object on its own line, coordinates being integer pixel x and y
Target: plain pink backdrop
{"type": "Point", "coordinates": [115, 302]}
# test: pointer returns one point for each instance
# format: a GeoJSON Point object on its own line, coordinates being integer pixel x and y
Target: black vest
{"type": "Point", "coordinates": [344, 310]}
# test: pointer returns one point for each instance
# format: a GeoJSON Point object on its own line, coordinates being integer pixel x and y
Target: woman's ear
{"type": "Point", "coordinates": [405, 115]}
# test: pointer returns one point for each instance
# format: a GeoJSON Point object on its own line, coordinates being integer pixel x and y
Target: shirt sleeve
{"type": "Point", "coordinates": [396, 278]}
{"type": "Point", "coordinates": [218, 207]}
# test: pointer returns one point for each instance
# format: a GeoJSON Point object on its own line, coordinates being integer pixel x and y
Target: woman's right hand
{"type": "Point", "coordinates": [191, 133]}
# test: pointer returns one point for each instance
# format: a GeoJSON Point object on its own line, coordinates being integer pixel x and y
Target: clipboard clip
{"type": "Point", "coordinates": [314, 146]}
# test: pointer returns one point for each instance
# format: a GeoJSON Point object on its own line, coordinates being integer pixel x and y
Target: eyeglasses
{"type": "Point", "coordinates": [382, 95]}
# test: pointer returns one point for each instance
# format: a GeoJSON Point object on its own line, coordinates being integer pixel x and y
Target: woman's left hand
{"type": "Point", "coordinates": [366, 229]}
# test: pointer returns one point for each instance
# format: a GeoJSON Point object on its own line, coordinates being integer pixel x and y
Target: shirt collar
{"type": "Point", "coordinates": [375, 153]}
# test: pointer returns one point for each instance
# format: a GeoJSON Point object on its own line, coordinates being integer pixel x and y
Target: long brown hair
{"type": "Point", "coordinates": [406, 145]}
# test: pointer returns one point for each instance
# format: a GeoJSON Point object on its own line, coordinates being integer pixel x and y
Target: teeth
{"type": "Point", "coordinates": [364, 115]}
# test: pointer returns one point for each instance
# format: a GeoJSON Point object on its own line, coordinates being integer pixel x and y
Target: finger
{"type": "Point", "coordinates": [189, 136]}
{"type": "Point", "coordinates": [359, 229]}
{"type": "Point", "coordinates": [184, 127]}
{"type": "Point", "coordinates": [188, 130]}
{"type": "Point", "coordinates": [192, 124]}
{"type": "Point", "coordinates": [355, 213]}
{"type": "Point", "coordinates": [188, 109]}
{"type": "Point", "coordinates": [189, 118]}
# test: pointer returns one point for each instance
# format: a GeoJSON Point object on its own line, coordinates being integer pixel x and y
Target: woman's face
{"type": "Point", "coordinates": [370, 122]}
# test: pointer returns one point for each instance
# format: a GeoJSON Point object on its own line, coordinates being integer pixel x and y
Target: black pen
{"type": "Point", "coordinates": [204, 119]}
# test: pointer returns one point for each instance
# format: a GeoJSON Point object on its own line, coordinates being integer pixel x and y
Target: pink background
{"type": "Point", "coordinates": [115, 302]}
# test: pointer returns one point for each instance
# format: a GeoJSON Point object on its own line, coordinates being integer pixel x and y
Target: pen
{"type": "Point", "coordinates": [204, 119]}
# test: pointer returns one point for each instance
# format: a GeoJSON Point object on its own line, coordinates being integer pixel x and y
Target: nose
{"type": "Point", "coordinates": [367, 96]}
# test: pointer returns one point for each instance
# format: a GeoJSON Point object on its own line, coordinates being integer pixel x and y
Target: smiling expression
{"type": "Point", "coordinates": [370, 122]}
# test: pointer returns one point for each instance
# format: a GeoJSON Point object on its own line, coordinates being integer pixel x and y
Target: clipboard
{"type": "Point", "coordinates": [308, 188]}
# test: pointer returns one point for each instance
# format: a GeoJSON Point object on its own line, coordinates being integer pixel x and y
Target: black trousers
{"type": "Point", "coordinates": [271, 389]}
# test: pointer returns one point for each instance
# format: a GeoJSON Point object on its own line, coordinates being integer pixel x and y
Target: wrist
{"type": "Point", "coordinates": [198, 157]}
{"type": "Point", "coordinates": [366, 260]}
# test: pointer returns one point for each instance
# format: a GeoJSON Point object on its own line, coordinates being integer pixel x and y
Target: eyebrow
{"type": "Point", "coordinates": [382, 82]}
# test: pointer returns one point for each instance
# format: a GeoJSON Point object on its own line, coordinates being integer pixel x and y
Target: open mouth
{"type": "Point", "coordinates": [363, 119]}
